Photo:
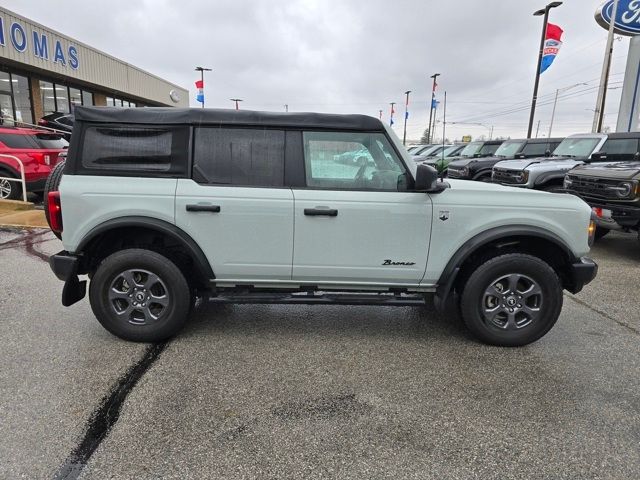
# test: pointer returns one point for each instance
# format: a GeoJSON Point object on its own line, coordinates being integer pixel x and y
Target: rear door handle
{"type": "Point", "coordinates": [316, 212]}
{"type": "Point", "coordinates": [199, 207]}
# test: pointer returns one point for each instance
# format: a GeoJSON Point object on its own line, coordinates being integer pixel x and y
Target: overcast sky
{"type": "Point", "coordinates": [356, 56]}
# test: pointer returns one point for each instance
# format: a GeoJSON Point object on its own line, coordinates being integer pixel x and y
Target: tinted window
{"type": "Point", "coordinates": [357, 161]}
{"type": "Point", "coordinates": [509, 149]}
{"type": "Point", "coordinates": [51, 141]}
{"type": "Point", "coordinates": [136, 149]}
{"type": "Point", "coordinates": [576, 147]}
{"type": "Point", "coordinates": [239, 156]}
{"type": "Point", "coordinates": [537, 149]}
{"type": "Point", "coordinates": [488, 150]}
{"type": "Point", "coordinates": [18, 141]}
{"type": "Point", "coordinates": [614, 146]}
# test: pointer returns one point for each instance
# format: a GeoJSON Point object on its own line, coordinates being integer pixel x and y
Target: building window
{"type": "Point", "coordinates": [48, 97]}
{"type": "Point", "coordinates": [22, 99]}
{"type": "Point", "coordinates": [62, 99]}
{"type": "Point", "coordinates": [110, 102]}
{"type": "Point", "coordinates": [75, 97]}
{"type": "Point", "coordinates": [87, 98]}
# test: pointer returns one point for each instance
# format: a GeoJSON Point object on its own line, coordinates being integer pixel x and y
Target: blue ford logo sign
{"type": "Point", "coordinates": [627, 21]}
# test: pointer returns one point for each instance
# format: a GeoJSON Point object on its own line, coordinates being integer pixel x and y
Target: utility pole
{"type": "Point", "coordinates": [237, 100]}
{"type": "Point", "coordinates": [545, 12]}
{"type": "Point", "coordinates": [537, 129]}
{"type": "Point", "coordinates": [202, 70]}
{"type": "Point", "coordinates": [555, 102]}
{"type": "Point", "coordinates": [406, 116]}
{"type": "Point", "coordinates": [604, 79]}
{"type": "Point", "coordinates": [433, 99]}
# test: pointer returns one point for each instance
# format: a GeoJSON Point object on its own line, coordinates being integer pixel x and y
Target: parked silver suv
{"type": "Point", "coordinates": [160, 206]}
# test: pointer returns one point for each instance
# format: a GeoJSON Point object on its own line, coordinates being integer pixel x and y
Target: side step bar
{"type": "Point", "coordinates": [320, 298]}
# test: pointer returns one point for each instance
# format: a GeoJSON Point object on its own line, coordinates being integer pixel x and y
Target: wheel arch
{"type": "Point", "coordinates": [137, 231]}
{"type": "Point", "coordinates": [550, 177]}
{"type": "Point", "coordinates": [499, 240]}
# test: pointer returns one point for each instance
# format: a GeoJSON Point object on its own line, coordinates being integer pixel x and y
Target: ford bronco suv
{"type": "Point", "coordinates": [613, 192]}
{"type": "Point", "coordinates": [163, 206]}
{"type": "Point", "coordinates": [480, 168]}
{"type": "Point", "coordinates": [484, 148]}
{"type": "Point", "coordinates": [548, 173]}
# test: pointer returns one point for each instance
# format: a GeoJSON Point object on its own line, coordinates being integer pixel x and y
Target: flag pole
{"type": "Point", "coordinates": [433, 97]}
{"type": "Point", "coordinates": [604, 79]}
{"type": "Point", "coordinates": [406, 116]}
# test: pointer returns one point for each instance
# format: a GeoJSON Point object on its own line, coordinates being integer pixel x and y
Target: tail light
{"type": "Point", "coordinates": [41, 158]}
{"type": "Point", "coordinates": [55, 211]}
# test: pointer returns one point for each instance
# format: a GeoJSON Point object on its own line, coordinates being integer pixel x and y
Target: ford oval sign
{"type": "Point", "coordinates": [627, 21]}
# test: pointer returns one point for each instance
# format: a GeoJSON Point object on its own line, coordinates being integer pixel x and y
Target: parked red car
{"type": "Point", "coordinates": [39, 152]}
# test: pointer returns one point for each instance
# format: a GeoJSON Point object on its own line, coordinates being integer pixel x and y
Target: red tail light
{"type": "Point", "coordinates": [41, 158]}
{"type": "Point", "coordinates": [55, 211]}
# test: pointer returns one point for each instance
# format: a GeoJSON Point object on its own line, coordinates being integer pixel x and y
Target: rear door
{"type": "Point", "coordinates": [357, 224]}
{"type": "Point", "coordinates": [235, 205]}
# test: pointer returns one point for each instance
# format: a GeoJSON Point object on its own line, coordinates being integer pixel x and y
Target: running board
{"type": "Point", "coordinates": [319, 298]}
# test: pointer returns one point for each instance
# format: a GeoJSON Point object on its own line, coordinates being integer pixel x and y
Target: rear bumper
{"type": "Point", "coordinates": [581, 273]}
{"type": "Point", "coordinates": [66, 267]}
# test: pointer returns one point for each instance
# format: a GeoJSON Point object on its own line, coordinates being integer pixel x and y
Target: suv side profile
{"type": "Point", "coordinates": [477, 149]}
{"type": "Point", "coordinates": [613, 192]}
{"type": "Point", "coordinates": [161, 206]}
{"type": "Point", "coordinates": [39, 152]}
{"type": "Point", "coordinates": [480, 168]}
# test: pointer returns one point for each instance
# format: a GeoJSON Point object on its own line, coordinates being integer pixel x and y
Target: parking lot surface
{"type": "Point", "coordinates": [317, 392]}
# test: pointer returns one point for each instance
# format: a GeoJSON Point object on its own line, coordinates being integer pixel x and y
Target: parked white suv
{"type": "Point", "coordinates": [161, 206]}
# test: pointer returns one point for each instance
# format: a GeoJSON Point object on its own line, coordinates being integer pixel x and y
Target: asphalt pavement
{"type": "Point", "coordinates": [317, 391]}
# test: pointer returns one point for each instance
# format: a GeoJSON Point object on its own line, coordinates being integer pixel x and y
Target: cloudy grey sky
{"type": "Point", "coordinates": [356, 56]}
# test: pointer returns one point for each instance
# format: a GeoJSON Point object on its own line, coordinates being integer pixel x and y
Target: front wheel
{"type": "Point", "coordinates": [511, 300]}
{"type": "Point", "coordinates": [140, 295]}
{"type": "Point", "coordinates": [10, 190]}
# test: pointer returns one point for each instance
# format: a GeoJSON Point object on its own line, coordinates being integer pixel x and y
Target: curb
{"type": "Point", "coordinates": [14, 206]}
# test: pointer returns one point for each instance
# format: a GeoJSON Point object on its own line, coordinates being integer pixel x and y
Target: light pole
{"type": "Point", "coordinates": [433, 98]}
{"type": "Point", "coordinates": [406, 115]}
{"type": "Point", "coordinates": [606, 68]}
{"type": "Point", "coordinates": [202, 70]}
{"type": "Point", "coordinates": [545, 12]}
{"type": "Point", "coordinates": [237, 100]}
{"type": "Point", "coordinates": [555, 102]}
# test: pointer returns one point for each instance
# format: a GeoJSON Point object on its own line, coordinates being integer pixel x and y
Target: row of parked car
{"type": "Point", "coordinates": [602, 169]}
{"type": "Point", "coordinates": [39, 149]}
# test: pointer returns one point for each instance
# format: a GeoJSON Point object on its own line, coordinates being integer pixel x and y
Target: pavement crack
{"type": "Point", "coordinates": [604, 314]}
{"type": "Point", "coordinates": [106, 415]}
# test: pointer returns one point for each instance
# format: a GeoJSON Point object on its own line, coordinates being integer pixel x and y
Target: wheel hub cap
{"type": "Point", "coordinates": [511, 302]}
{"type": "Point", "coordinates": [139, 297]}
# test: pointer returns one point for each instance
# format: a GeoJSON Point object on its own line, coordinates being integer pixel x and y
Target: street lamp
{"type": "Point", "coordinates": [545, 12]}
{"type": "Point", "coordinates": [555, 102]}
{"type": "Point", "coordinates": [202, 70]}
{"type": "Point", "coordinates": [237, 100]}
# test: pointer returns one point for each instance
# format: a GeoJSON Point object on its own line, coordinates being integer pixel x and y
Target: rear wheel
{"type": "Point", "coordinates": [140, 295]}
{"type": "Point", "coordinates": [511, 300]}
{"type": "Point", "coordinates": [51, 185]}
{"type": "Point", "coordinates": [10, 190]}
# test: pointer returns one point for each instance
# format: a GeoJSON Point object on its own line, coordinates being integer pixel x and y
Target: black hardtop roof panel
{"type": "Point", "coordinates": [215, 116]}
{"type": "Point", "coordinates": [619, 135]}
{"type": "Point", "coordinates": [545, 140]}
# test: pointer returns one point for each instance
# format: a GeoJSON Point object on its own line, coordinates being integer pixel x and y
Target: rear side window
{"type": "Point", "coordinates": [161, 150]}
{"type": "Point", "coordinates": [615, 146]}
{"type": "Point", "coordinates": [18, 140]}
{"type": "Point", "coordinates": [239, 156]}
{"type": "Point", "coordinates": [537, 149]}
{"type": "Point", "coordinates": [487, 150]}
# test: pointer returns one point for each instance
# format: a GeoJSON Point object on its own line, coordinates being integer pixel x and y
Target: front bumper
{"type": "Point", "coordinates": [66, 267]}
{"type": "Point", "coordinates": [622, 217]}
{"type": "Point", "coordinates": [581, 273]}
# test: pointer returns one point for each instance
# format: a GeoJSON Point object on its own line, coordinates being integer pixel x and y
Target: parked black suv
{"type": "Point", "coordinates": [480, 168]}
{"type": "Point", "coordinates": [612, 191]}
{"type": "Point", "coordinates": [476, 149]}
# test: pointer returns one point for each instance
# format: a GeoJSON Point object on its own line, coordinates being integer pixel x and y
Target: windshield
{"type": "Point", "coordinates": [422, 150]}
{"type": "Point", "coordinates": [431, 151]}
{"type": "Point", "coordinates": [471, 149]}
{"type": "Point", "coordinates": [508, 149]}
{"type": "Point", "coordinates": [576, 147]}
{"type": "Point", "coordinates": [451, 151]}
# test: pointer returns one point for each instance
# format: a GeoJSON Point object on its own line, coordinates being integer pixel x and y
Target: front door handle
{"type": "Point", "coordinates": [199, 207]}
{"type": "Point", "coordinates": [316, 212]}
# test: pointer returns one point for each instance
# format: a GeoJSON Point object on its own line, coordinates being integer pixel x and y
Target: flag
{"type": "Point", "coordinates": [393, 110]}
{"type": "Point", "coordinates": [200, 94]}
{"type": "Point", "coordinates": [434, 103]}
{"type": "Point", "coordinates": [552, 44]}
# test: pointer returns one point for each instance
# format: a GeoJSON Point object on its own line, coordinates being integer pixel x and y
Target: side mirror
{"type": "Point", "coordinates": [426, 179]}
{"type": "Point", "coordinates": [547, 153]}
{"type": "Point", "coordinates": [636, 157]}
{"type": "Point", "coordinates": [521, 156]}
{"type": "Point", "coordinates": [597, 157]}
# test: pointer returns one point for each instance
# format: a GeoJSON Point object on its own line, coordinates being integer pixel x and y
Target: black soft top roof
{"type": "Point", "coordinates": [215, 116]}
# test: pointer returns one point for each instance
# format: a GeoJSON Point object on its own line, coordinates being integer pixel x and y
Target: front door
{"type": "Point", "coordinates": [355, 221]}
{"type": "Point", "coordinates": [236, 207]}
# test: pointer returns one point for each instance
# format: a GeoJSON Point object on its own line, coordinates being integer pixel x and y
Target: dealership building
{"type": "Point", "coordinates": [43, 71]}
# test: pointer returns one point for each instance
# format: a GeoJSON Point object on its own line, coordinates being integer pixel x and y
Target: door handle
{"type": "Point", "coordinates": [317, 212]}
{"type": "Point", "coordinates": [198, 207]}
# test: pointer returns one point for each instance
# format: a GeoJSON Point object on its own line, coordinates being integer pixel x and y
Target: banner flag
{"type": "Point", "coordinates": [200, 94]}
{"type": "Point", "coordinates": [552, 44]}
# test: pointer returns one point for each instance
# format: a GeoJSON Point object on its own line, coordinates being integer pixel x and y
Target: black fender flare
{"type": "Point", "coordinates": [549, 176]}
{"type": "Point", "coordinates": [450, 272]}
{"type": "Point", "coordinates": [201, 263]}
{"type": "Point", "coordinates": [482, 173]}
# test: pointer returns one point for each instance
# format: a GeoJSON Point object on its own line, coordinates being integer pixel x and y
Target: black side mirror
{"type": "Point", "coordinates": [636, 157]}
{"type": "Point", "coordinates": [521, 156]}
{"type": "Point", "coordinates": [426, 179]}
{"type": "Point", "coordinates": [547, 153]}
{"type": "Point", "coordinates": [597, 157]}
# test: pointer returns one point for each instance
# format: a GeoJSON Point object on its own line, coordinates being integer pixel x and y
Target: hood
{"type": "Point", "coordinates": [618, 171]}
{"type": "Point", "coordinates": [542, 162]}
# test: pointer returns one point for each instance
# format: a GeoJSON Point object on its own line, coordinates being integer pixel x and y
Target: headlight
{"type": "Point", "coordinates": [567, 182]}
{"type": "Point", "coordinates": [522, 177]}
{"type": "Point", "coordinates": [464, 172]}
{"type": "Point", "coordinates": [623, 189]}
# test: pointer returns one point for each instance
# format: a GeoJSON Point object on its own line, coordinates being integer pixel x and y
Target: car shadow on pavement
{"type": "Point", "coordinates": [618, 246]}
{"type": "Point", "coordinates": [328, 320]}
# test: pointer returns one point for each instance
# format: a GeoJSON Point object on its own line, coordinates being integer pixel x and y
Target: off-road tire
{"type": "Point", "coordinates": [51, 185]}
{"type": "Point", "coordinates": [127, 325]}
{"type": "Point", "coordinates": [476, 299]}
